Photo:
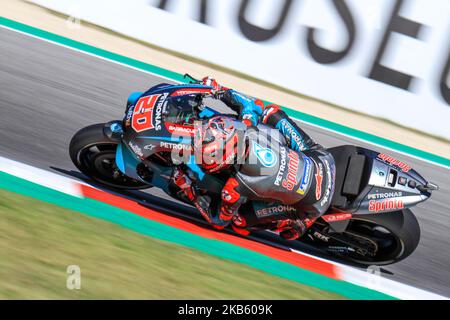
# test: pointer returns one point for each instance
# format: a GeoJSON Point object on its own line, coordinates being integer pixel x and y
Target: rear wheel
{"type": "Point", "coordinates": [376, 239]}
{"type": "Point", "coordinates": [94, 154]}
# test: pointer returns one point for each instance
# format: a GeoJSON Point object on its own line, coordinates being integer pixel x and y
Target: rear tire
{"type": "Point", "coordinates": [93, 153]}
{"type": "Point", "coordinates": [404, 236]}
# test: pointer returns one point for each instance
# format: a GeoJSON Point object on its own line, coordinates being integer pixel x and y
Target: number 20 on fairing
{"type": "Point", "coordinates": [143, 113]}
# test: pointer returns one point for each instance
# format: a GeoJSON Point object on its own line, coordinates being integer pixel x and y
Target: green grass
{"type": "Point", "coordinates": [39, 240]}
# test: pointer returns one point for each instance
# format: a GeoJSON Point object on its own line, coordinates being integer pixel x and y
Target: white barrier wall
{"type": "Point", "coordinates": [387, 58]}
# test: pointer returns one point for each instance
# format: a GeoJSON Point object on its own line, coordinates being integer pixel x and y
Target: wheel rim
{"type": "Point", "coordinates": [99, 161]}
{"type": "Point", "coordinates": [389, 245]}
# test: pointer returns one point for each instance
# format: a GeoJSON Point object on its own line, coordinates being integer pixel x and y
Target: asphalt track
{"type": "Point", "coordinates": [48, 92]}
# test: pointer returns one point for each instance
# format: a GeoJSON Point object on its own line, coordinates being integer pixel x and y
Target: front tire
{"type": "Point", "coordinates": [94, 154]}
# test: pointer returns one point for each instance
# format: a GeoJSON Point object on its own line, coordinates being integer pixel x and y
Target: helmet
{"type": "Point", "coordinates": [217, 140]}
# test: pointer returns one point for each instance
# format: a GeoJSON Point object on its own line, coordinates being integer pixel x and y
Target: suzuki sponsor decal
{"type": "Point", "coordinates": [385, 205]}
{"type": "Point", "coordinates": [395, 162]}
{"type": "Point", "coordinates": [265, 212]}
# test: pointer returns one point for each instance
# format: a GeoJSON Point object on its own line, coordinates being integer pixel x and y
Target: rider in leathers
{"type": "Point", "coordinates": [251, 112]}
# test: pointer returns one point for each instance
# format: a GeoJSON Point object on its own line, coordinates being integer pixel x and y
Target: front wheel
{"type": "Point", "coordinates": [94, 154]}
{"type": "Point", "coordinates": [379, 239]}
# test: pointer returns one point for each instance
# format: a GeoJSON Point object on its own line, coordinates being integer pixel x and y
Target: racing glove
{"type": "Point", "coordinates": [248, 109]}
{"type": "Point", "coordinates": [211, 82]}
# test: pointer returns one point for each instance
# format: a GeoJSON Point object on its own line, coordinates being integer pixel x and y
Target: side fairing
{"type": "Point", "coordinates": [127, 162]}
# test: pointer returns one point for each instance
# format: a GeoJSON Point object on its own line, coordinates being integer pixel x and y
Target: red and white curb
{"type": "Point", "coordinates": [370, 279]}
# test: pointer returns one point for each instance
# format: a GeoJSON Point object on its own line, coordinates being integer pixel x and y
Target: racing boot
{"type": "Point", "coordinates": [202, 203]}
{"type": "Point", "coordinates": [292, 229]}
{"type": "Point", "coordinates": [180, 178]}
{"type": "Point", "coordinates": [239, 225]}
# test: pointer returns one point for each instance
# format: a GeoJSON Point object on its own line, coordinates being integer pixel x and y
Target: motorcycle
{"type": "Point", "coordinates": [369, 221]}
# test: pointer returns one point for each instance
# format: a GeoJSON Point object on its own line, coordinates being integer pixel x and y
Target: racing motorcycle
{"type": "Point", "coordinates": [369, 221]}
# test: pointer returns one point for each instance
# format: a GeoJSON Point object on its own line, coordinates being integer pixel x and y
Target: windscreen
{"type": "Point", "coordinates": [180, 110]}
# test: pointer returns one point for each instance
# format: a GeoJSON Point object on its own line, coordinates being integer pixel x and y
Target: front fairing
{"type": "Point", "coordinates": [169, 124]}
{"type": "Point", "coordinates": [159, 130]}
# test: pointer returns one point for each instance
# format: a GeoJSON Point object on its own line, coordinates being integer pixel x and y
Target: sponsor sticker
{"type": "Point", "coordinates": [188, 91]}
{"type": "Point", "coordinates": [336, 217]}
{"type": "Point", "coordinates": [158, 112]}
{"type": "Point", "coordinates": [266, 156]}
{"type": "Point", "coordinates": [306, 174]}
{"type": "Point", "coordinates": [395, 162]}
{"type": "Point", "coordinates": [329, 184]}
{"type": "Point", "coordinates": [282, 168]}
{"type": "Point", "coordinates": [319, 179]}
{"type": "Point", "coordinates": [321, 236]}
{"type": "Point", "coordinates": [287, 127]}
{"type": "Point", "coordinates": [290, 181]}
{"type": "Point", "coordinates": [180, 130]}
{"type": "Point", "coordinates": [136, 149]}
{"type": "Point", "coordinates": [142, 119]}
{"type": "Point", "coordinates": [265, 212]}
{"type": "Point", "coordinates": [384, 205]}
{"type": "Point", "coordinates": [128, 116]}
{"type": "Point", "coordinates": [176, 146]}
{"type": "Point", "coordinates": [384, 195]}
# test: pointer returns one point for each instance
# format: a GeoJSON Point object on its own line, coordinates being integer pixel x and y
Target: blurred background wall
{"type": "Point", "coordinates": [385, 58]}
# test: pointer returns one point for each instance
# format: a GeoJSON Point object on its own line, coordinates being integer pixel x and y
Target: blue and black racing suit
{"type": "Point", "coordinates": [316, 197]}
{"type": "Point", "coordinates": [320, 192]}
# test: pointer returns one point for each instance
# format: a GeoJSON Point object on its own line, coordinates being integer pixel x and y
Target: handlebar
{"type": "Point", "coordinates": [195, 81]}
